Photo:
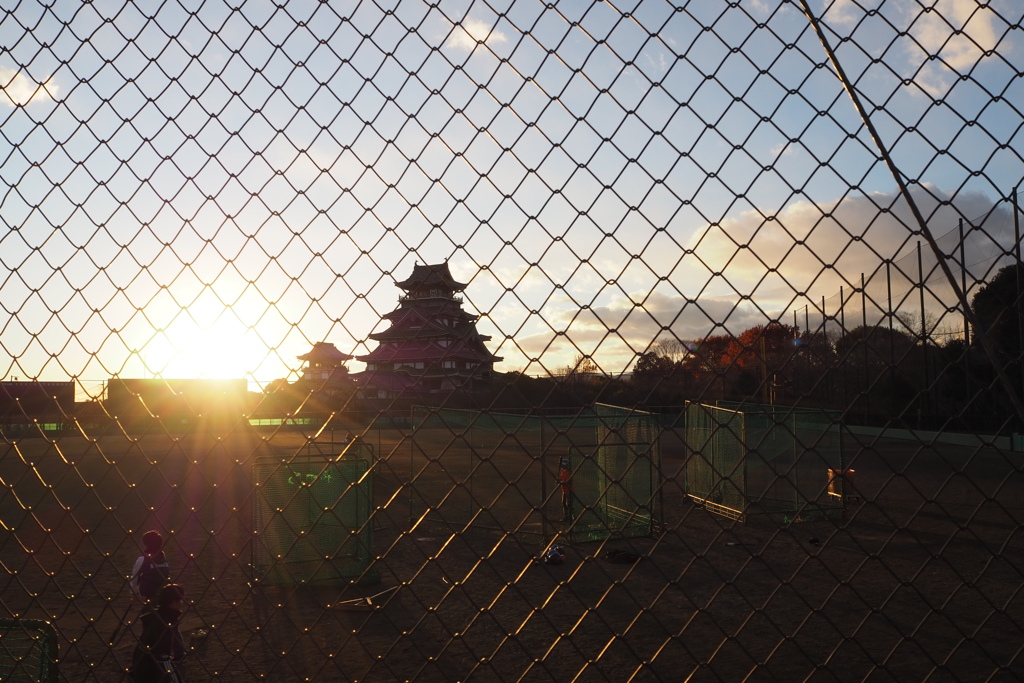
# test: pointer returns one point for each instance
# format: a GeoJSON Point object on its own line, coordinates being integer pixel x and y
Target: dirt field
{"type": "Point", "coordinates": [922, 579]}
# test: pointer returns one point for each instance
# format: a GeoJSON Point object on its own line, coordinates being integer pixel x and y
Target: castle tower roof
{"type": "Point", "coordinates": [431, 275]}
{"type": "Point", "coordinates": [431, 346]}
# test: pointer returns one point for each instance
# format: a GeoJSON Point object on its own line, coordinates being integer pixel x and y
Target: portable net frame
{"type": "Point", "coordinates": [618, 481]}
{"type": "Point", "coordinates": [28, 651]}
{"type": "Point", "coordinates": [505, 468]}
{"type": "Point", "coordinates": [312, 516]}
{"type": "Point", "coordinates": [746, 458]}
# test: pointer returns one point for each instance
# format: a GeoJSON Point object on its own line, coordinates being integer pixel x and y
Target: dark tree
{"type": "Point", "coordinates": [652, 368]}
{"type": "Point", "coordinates": [760, 346]}
{"type": "Point", "coordinates": [999, 307]}
{"type": "Point", "coordinates": [658, 379]}
{"type": "Point", "coordinates": [880, 373]}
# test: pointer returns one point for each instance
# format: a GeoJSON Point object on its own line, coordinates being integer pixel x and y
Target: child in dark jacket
{"type": "Point", "coordinates": [161, 647]}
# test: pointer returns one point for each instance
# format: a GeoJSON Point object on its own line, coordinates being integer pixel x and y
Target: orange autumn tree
{"type": "Point", "coordinates": [763, 356]}
{"type": "Point", "coordinates": [771, 345]}
{"type": "Point", "coordinates": [703, 362]}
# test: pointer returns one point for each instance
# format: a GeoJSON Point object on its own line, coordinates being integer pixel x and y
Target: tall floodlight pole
{"type": "Point", "coordinates": [924, 337]}
{"type": "Point", "coordinates": [922, 225]}
{"type": "Point", "coordinates": [841, 362]}
{"type": "Point", "coordinates": [833, 358]}
{"type": "Point", "coordinates": [1016, 226]}
{"type": "Point", "coordinates": [963, 283]}
{"type": "Point", "coordinates": [1016, 269]}
{"type": "Point", "coordinates": [891, 315]}
{"type": "Point", "coordinates": [967, 324]}
{"type": "Point", "coordinates": [864, 339]}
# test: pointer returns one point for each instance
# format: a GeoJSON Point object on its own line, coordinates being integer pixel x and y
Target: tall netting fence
{"type": "Point", "coordinates": [532, 341]}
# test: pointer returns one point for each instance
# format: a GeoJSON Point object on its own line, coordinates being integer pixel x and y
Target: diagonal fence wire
{"type": "Point", "coordinates": [501, 341]}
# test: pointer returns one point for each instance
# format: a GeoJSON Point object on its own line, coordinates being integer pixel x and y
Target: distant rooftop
{"type": "Point", "coordinates": [325, 353]}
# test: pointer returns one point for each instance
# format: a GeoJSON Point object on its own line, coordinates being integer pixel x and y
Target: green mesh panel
{"type": "Point", "coordinates": [749, 458]}
{"type": "Point", "coordinates": [311, 519]}
{"type": "Point", "coordinates": [463, 462]}
{"type": "Point", "coordinates": [588, 522]}
{"type": "Point", "coordinates": [716, 463]}
{"type": "Point", "coordinates": [457, 419]}
{"type": "Point", "coordinates": [629, 459]}
{"type": "Point", "coordinates": [790, 452]}
{"type": "Point", "coordinates": [28, 651]}
{"type": "Point", "coordinates": [628, 504]}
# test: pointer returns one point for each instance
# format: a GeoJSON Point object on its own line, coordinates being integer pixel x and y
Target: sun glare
{"type": "Point", "coordinates": [208, 343]}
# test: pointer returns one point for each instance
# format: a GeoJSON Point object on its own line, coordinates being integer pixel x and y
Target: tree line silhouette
{"type": "Point", "coordinates": [881, 374]}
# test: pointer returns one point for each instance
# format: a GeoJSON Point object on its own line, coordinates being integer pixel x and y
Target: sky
{"type": "Point", "coordinates": [206, 192]}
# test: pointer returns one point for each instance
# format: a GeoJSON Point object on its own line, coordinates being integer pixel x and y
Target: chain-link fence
{"type": "Point", "coordinates": [410, 328]}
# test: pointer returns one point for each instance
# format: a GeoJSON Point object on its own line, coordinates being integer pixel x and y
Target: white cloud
{"type": "Point", "coordinates": [958, 32]}
{"type": "Point", "coordinates": [783, 148]}
{"type": "Point", "coordinates": [759, 7]}
{"type": "Point", "coordinates": [934, 41]}
{"type": "Point", "coordinates": [808, 251]}
{"type": "Point", "coordinates": [843, 12]}
{"type": "Point", "coordinates": [658, 60]}
{"type": "Point", "coordinates": [473, 32]}
{"type": "Point", "coordinates": [614, 335]}
{"type": "Point", "coordinates": [727, 286]}
{"type": "Point", "coordinates": [19, 90]}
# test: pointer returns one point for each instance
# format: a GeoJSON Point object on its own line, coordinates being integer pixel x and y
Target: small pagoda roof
{"type": "Point", "coordinates": [326, 354]}
{"type": "Point", "coordinates": [426, 275]}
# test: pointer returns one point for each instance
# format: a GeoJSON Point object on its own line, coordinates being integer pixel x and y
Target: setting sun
{"type": "Point", "coordinates": [210, 341]}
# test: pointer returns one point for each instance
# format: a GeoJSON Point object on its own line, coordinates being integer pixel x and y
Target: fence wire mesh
{"type": "Point", "coordinates": [248, 246]}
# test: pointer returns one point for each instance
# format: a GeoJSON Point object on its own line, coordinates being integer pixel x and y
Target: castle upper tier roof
{"type": "Point", "coordinates": [424, 321]}
{"type": "Point", "coordinates": [428, 275]}
{"type": "Point", "coordinates": [421, 350]}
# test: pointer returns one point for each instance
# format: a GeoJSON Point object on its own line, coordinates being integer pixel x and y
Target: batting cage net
{"type": "Point", "coordinates": [312, 518]}
{"type": "Point", "coordinates": [479, 340]}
